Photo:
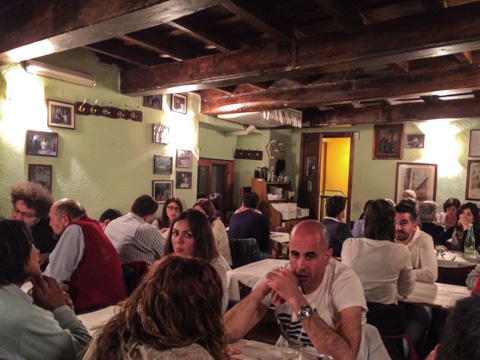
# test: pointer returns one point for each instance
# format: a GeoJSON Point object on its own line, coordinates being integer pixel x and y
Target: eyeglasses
{"type": "Point", "coordinates": [171, 207]}
{"type": "Point", "coordinates": [24, 214]}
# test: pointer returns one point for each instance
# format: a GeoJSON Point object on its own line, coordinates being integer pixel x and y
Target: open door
{"type": "Point", "coordinates": [309, 178]}
{"type": "Point", "coordinates": [216, 176]}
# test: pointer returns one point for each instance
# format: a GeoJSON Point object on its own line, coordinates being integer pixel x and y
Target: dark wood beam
{"type": "Point", "coordinates": [208, 38]}
{"type": "Point", "coordinates": [453, 109]}
{"type": "Point", "coordinates": [261, 23]}
{"type": "Point", "coordinates": [374, 45]}
{"type": "Point", "coordinates": [430, 5]}
{"type": "Point", "coordinates": [37, 29]}
{"type": "Point", "coordinates": [464, 78]}
{"type": "Point", "coordinates": [400, 67]}
{"type": "Point", "coordinates": [116, 56]}
{"type": "Point", "coordinates": [464, 58]}
{"type": "Point", "coordinates": [344, 12]}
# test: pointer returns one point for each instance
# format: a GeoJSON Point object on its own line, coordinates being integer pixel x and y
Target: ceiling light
{"type": "Point", "coordinates": [55, 72]}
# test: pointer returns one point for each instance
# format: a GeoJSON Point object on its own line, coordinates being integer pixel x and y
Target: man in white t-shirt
{"type": "Point", "coordinates": [318, 300]}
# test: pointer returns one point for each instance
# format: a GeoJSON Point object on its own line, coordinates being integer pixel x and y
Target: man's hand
{"type": "Point", "coordinates": [47, 293]}
{"type": "Point", "coordinates": [284, 286]}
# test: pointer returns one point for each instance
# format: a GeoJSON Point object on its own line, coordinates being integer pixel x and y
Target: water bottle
{"type": "Point", "coordinates": [469, 246]}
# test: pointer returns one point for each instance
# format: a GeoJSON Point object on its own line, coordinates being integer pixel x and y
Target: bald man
{"type": "Point", "coordinates": [317, 300]}
{"type": "Point", "coordinates": [84, 258]}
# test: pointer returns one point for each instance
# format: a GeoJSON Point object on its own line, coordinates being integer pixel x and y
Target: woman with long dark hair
{"type": "Point", "coordinates": [467, 214]}
{"type": "Point", "coordinates": [191, 235]}
{"type": "Point", "coordinates": [175, 313]}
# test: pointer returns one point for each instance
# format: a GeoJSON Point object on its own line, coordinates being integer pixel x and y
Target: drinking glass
{"type": "Point", "coordinates": [291, 349]}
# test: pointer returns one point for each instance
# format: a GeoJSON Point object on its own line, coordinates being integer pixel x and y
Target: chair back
{"type": "Point", "coordinates": [244, 251]}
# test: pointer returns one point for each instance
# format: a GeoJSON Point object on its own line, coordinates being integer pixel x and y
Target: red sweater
{"type": "Point", "coordinates": [98, 280]}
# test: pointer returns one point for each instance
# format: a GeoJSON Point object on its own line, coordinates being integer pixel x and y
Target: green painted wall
{"type": "Point", "coordinates": [109, 162]}
{"type": "Point", "coordinates": [103, 162]}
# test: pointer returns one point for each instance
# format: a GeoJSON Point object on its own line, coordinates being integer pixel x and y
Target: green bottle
{"type": "Point", "coordinates": [469, 246]}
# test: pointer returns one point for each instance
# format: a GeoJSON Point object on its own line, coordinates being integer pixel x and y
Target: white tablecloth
{"type": "Point", "coordinates": [282, 239]}
{"type": "Point", "coordinates": [254, 350]}
{"type": "Point", "coordinates": [455, 259]}
{"type": "Point", "coordinates": [436, 295]}
{"type": "Point", "coordinates": [96, 319]}
{"type": "Point", "coordinates": [250, 274]}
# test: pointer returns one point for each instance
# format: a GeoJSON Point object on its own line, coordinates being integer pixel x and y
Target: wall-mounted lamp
{"type": "Point", "coordinates": [55, 72]}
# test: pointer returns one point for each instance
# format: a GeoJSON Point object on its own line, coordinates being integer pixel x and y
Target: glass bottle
{"type": "Point", "coordinates": [469, 245]}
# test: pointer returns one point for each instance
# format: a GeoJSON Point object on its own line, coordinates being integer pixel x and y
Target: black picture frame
{"type": "Point", "coordinates": [153, 101]}
{"type": "Point", "coordinates": [61, 114]}
{"type": "Point", "coordinates": [184, 159]}
{"type": "Point", "coordinates": [183, 180]}
{"type": "Point", "coordinates": [162, 190]}
{"type": "Point", "coordinates": [162, 164]}
{"type": "Point", "coordinates": [41, 174]}
{"type": "Point", "coordinates": [179, 103]}
{"type": "Point", "coordinates": [41, 143]}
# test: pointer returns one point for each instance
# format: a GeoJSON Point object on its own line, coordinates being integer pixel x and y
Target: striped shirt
{"type": "Point", "coordinates": [135, 240]}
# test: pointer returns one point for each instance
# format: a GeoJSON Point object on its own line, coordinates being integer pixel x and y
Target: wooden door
{"type": "Point", "coordinates": [216, 176]}
{"type": "Point", "coordinates": [309, 178]}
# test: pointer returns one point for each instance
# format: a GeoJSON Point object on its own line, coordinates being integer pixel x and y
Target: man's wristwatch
{"type": "Point", "coordinates": [305, 312]}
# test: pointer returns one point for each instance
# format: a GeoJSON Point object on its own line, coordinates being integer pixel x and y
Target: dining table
{"type": "Point", "coordinates": [255, 350]}
{"type": "Point", "coordinates": [249, 275]}
{"type": "Point", "coordinates": [94, 320]}
{"type": "Point", "coordinates": [437, 295]}
{"type": "Point", "coordinates": [280, 241]}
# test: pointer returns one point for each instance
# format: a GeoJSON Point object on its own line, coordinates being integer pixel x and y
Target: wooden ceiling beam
{"type": "Point", "coordinates": [413, 85]}
{"type": "Point", "coordinates": [208, 38]}
{"type": "Point", "coordinates": [171, 48]}
{"type": "Point", "coordinates": [344, 12]}
{"type": "Point", "coordinates": [261, 23]}
{"type": "Point", "coordinates": [452, 109]}
{"type": "Point", "coordinates": [37, 30]}
{"type": "Point", "coordinates": [464, 58]}
{"type": "Point", "coordinates": [401, 67]}
{"type": "Point", "coordinates": [373, 45]}
{"type": "Point", "coordinates": [430, 5]}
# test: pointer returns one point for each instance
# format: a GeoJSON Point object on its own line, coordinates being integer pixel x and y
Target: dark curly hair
{"type": "Point", "coordinates": [34, 195]}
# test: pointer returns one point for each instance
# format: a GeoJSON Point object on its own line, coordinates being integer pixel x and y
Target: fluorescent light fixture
{"type": "Point", "coordinates": [55, 72]}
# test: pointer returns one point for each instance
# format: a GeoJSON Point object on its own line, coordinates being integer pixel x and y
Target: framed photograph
{"type": "Point", "coordinates": [42, 143]}
{"type": "Point", "coordinates": [162, 190]}
{"type": "Point", "coordinates": [153, 101]}
{"type": "Point", "coordinates": [162, 164]}
{"type": "Point", "coordinates": [160, 134]}
{"type": "Point", "coordinates": [415, 141]}
{"type": "Point", "coordinates": [474, 149]}
{"type": "Point", "coordinates": [422, 178]}
{"type": "Point", "coordinates": [61, 114]}
{"type": "Point", "coordinates": [184, 180]}
{"type": "Point", "coordinates": [41, 174]}
{"type": "Point", "coordinates": [473, 180]}
{"type": "Point", "coordinates": [387, 141]}
{"type": "Point", "coordinates": [179, 103]}
{"type": "Point", "coordinates": [184, 159]}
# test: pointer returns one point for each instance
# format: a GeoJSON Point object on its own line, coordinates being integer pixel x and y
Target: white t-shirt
{"type": "Point", "coordinates": [384, 268]}
{"type": "Point", "coordinates": [221, 265]}
{"type": "Point", "coordinates": [340, 289]}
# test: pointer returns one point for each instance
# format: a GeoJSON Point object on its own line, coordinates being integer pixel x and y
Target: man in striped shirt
{"type": "Point", "coordinates": [132, 235]}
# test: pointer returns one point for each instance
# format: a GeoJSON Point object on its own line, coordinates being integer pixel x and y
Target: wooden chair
{"type": "Point", "coordinates": [454, 275]}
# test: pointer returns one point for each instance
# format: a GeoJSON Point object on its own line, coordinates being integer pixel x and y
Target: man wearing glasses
{"type": "Point", "coordinates": [31, 204]}
{"type": "Point", "coordinates": [132, 235]}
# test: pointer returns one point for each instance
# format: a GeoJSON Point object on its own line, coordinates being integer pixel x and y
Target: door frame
{"type": "Point", "coordinates": [227, 196]}
{"type": "Point", "coordinates": [301, 178]}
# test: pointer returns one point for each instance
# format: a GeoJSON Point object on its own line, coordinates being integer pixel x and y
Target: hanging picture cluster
{"type": "Point", "coordinates": [164, 165]}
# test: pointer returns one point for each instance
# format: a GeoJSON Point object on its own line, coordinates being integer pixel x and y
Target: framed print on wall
{"type": "Point", "coordinates": [160, 134]}
{"type": "Point", "coordinates": [473, 180]}
{"type": "Point", "coordinates": [474, 149]}
{"type": "Point", "coordinates": [387, 141]}
{"type": "Point", "coordinates": [184, 180]}
{"type": "Point", "coordinates": [422, 178]}
{"type": "Point", "coordinates": [60, 114]}
{"type": "Point", "coordinates": [162, 164]}
{"type": "Point", "coordinates": [179, 103]}
{"type": "Point", "coordinates": [153, 101]}
{"type": "Point", "coordinates": [41, 174]}
{"type": "Point", "coordinates": [415, 141]}
{"type": "Point", "coordinates": [41, 143]}
{"type": "Point", "coordinates": [162, 190]}
{"type": "Point", "coordinates": [184, 159]}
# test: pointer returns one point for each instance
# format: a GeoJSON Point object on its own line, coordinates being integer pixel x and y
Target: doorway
{"type": "Point", "coordinates": [326, 169]}
{"type": "Point", "coordinates": [216, 176]}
